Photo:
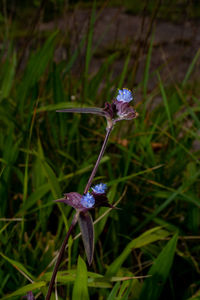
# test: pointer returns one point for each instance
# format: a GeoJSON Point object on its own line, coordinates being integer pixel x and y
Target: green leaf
{"type": "Point", "coordinates": [35, 68]}
{"type": "Point", "coordinates": [159, 272]}
{"type": "Point", "coordinates": [25, 289]}
{"type": "Point", "coordinates": [17, 265]}
{"type": "Point", "coordinates": [80, 290]}
{"type": "Point", "coordinates": [146, 238]}
{"type": "Point", "coordinates": [94, 279]}
{"type": "Point", "coordinates": [113, 293]}
{"type": "Point", "coordinates": [8, 77]}
{"type": "Point", "coordinates": [166, 103]}
{"type": "Point", "coordinates": [191, 67]}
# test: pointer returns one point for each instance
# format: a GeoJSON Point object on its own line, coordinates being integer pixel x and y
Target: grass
{"type": "Point", "coordinates": [151, 167]}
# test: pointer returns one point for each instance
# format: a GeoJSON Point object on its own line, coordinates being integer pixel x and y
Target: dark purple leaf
{"type": "Point", "coordinates": [86, 110]}
{"type": "Point", "coordinates": [72, 199]}
{"type": "Point", "coordinates": [87, 230]}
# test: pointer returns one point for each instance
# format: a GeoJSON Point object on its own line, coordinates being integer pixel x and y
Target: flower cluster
{"type": "Point", "coordinates": [124, 95]}
{"type": "Point", "coordinates": [97, 197]}
{"type": "Point", "coordinates": [120, 108]}
{"type": "Point", "coordinates": [88, 200]}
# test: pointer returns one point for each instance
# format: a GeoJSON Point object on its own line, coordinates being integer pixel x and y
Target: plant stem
{"type": "Point", "coordinates": [108, 132]}
{"type": "Point", "coordinates": [75, 219]}
{"type": "Point", "coordinates": [60, 256]}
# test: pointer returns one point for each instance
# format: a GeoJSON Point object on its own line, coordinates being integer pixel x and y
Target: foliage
{"type": "Point", "coordinates": [151, 167]}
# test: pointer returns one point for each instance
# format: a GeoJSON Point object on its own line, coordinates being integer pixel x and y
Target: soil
{"type": "Point", "coordinates": [174, 45]}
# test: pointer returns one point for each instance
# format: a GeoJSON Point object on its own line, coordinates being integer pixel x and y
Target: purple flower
{"type": "Point", "coordinates": [120, 108]}
{"type": "Point", "coordinates": [29, 296]}
{"type": "Point", "coordinates": [99, 188]}
{"type": "Point", "coordinates": [124, 95]}
{"type": "Point", "coordinates": [88, 200]}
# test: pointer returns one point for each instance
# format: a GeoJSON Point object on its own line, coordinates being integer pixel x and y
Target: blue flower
{"type": "Point", "coordinates": [99, 188]}
{"type": "Point", "coordinates": [88, 200]}
{"type": "Point", "coordinates": [124, 95]}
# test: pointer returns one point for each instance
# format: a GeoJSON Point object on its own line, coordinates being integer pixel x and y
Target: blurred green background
{"type": "Point", "coordinates": [59, 54]}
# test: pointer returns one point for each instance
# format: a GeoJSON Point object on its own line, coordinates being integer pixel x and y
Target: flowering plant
{"type": "Point", "coordinates": [95, 196]}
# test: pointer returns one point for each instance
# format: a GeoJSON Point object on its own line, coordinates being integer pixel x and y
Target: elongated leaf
{"type": "Point", "coordinates": [58, 106]}
{"type": "Point", "coordinates": [25, 289]}
{"type": "Point", "coordinates": [159, 272]}
{"type": "Point", "coordinates": [85, 110]}
{"type": "Point", "coordinates": [17, 265]}
{"type": "Point", "coordinates": [147, 68]}
{"type": "Point", "coordinates": [191, 67]}
{"type": "Point", "coordinates": [8, 77]}
{"type": "Point", "coordinates": [52, 179]}
{"type": "Point", "coordinates": [87, 230]}
{"type": "Point", "coordinates": [146, 238]}
{"type": "Point", "coordinates": [35, 68]}
{"type": "Point", "coordinates": [94, 279]}
{"type": "Point", "coordinates": [166, 103]}
{"type": "Point", "coordinates": [113, 293]}
{"type": "Point", "coordinates": [80, 290]}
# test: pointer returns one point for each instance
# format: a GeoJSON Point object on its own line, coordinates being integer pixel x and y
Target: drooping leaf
{"type": "Point", "coordinates": [87, 230]}
{"type": "Point", "coordinates": [80, 290]}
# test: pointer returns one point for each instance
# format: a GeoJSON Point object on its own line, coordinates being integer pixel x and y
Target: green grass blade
{"type": "Point", "coordinates": [173, 196]}
{"type": "Point", "coordinates": [35, 68]}
{"type": "Point", "coordinates": [113, 293]}
{"type": "Point", "coordinates": [147, 68]}
{"type": "Point", "coordinates": [74, 56]}
{"type": "Point", "coordinates": [89, 49]}
{"type": "Point", "coordinates": [17, 265]}
{"type": "Point", "coordinates": [8, 77]}
{"type": "Point", "coordinates": [164, 96]}
{"type": "Point", "coordinates": [25, 289]}
{"type": "Point", "coordinates": [191, 67]}
{"type": "Point", "coordinates": [146, 238]}
{"type": "Point", "coordinates": [124, 71]}
{"type": "Point", "coordinates": [159, 272]}
{"type": "Point", "coordinates": [80, 290]}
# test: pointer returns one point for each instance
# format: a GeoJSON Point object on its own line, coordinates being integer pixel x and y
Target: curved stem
{"type": "Point", "coordinates": [60, 256]}
{"type": "Point", "coordinates": [109, 129]}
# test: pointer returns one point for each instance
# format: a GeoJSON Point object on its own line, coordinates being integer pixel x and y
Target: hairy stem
{"type": "Point", "coordinates": [60, 256]}
{"type": "Point", "coordinates": [108, 132]}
